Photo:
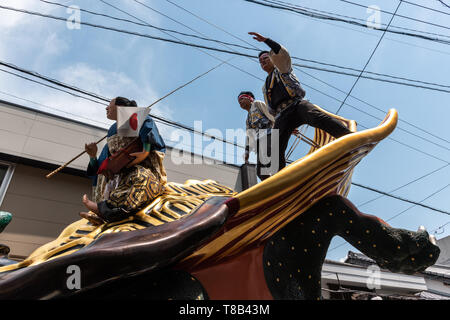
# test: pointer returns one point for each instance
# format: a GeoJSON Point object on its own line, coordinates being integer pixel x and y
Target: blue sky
{"type": "Point", "coordinates": [113, 64]}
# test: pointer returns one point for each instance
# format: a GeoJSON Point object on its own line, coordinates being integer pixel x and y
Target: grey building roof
{"type": "Point", "coordinates": [441, 271]}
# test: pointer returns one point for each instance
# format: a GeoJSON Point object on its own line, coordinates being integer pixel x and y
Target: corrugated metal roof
{"type": "Point", "coordinates": [431, 296]}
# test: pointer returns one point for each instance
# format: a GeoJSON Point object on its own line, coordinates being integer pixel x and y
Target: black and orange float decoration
{"type": "Point", "coordinates": [202, 240]}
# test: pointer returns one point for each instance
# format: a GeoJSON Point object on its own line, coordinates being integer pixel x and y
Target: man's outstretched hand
{"type": "Point", "coordinates": [257, 36]}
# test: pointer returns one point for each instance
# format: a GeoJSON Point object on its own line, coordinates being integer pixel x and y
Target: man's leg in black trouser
{"type": "Point", "coordinates": [304, 112]}
{"type": "Point", "coordinates": [286, 122]}
{"type": "Point", "coordinates": [318, 119]}
{"type": "Point", "coordinates": [264, 156]}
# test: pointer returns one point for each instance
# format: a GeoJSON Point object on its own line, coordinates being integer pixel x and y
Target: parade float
{"type": "Point", "coordinates": [202, 240]}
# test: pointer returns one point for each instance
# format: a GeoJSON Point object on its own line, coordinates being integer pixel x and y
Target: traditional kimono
{"type": "Point", "coordinates": [283, 75]}
{"type": "Point", "coordinates": [132, 188]}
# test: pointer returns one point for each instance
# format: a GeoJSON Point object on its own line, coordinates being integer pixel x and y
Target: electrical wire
{"type": "Point", "coordinates": [400, 213]}
{"type": "Point", "coordinates": [175, 124]}
{"type": "Point", "coordinates": [184, 9]}
{"type": "Point", "coordinates": [399, 15]}
{"type": "Point", "coordinates": [49, 86]}
{"type": "Point", "coordinates": [425, 7]}
{"type": "Point", "coordinates": [379, 109]}
{"type": "Point", "coordinates": [161, 119]}
{"type": "Point", "coordinates": [372, 189]}
{"type": "Point", "coordinates": [52, 81]}
{"type": "Point", "coordinates": [293, 6]}
{"type": "Point", "coordinates": [324, 17]}
{"type": "Point", "coordinates": [444, 4]}
{"type": "Point", "coordinates": [374, 78]}
{"type": "Point", "coordinates": [237, 45]}
{"type": "Point", "coordinates": [405, 185]}
{"type": "Point", "coordinates": [400, 198]}
{"type": "Point", "coordinates": [210, 48]}
{"type": "Point", "coordinates": [52, 108]}
{"type": "Point", "coordinates": [143, 24]}
{"type": "Point", "coordinates": [370, 58]}
{"type": "Point", "coordinates": [199, 47]}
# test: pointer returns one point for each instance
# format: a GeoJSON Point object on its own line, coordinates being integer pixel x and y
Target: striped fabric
{"type": "Point", "coordinates": [281, 198]}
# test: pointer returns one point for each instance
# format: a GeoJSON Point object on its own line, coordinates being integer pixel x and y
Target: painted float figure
{"type": "Point", "coordinates": [117, 195]}
{"type": "Point", "coordinates": [203, 240]}
{"type": "Point", "coordinates": [267, 242]}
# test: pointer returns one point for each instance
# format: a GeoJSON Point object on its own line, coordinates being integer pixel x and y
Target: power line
{"type": "Point", "coordinates": [325, 17]}
{"type": "Point", "coordinates": [49, 86]}
{"type": "Point", "coordinates": [365, 71]}
{"type": "Point", "coordinates": [180, 125]}
{"type": "Point", "coordinates": [444, 4]}
{"type": "Point", "coordinates": [374, 35]}
{"type": "Point", "coordinates": [400, 213]}
{"type": "Point", "coordinates": [53, 81]}
{"type": "Point", "coordinates": [313, 77]}
{"type": "Point", "coordinates": [245, 47]}
{"type": "Point", "coordinates": [440, 227]}
{"type": "Point", "coordinates": [425, 7]}
{"type": "Point", "coordinates": [304, 72]}
{"type": "Point", "coordinates": [212, 48]}
{"type": "Point", "coordinates": [378, 109]}
{"type": "Point", "coordinates": [52, 108]}
{"type": "Point", "coordinates": [373, 78]}
{"type": "Point", "coordinates": [58, 18]}
{"type": "Point", "coordinates": [188, 44]}
{"type": "Point", "coordinates": [344, 16]}
{"type": "Point", "coordinates": [399, 15]}
{"type": "Point", "coordinates": [215, 26]}
{"type": "Point", "coordinates": [370, 58]}
{"type": "Point", "coordinates": [390, 138]}
{"type": "Point", "coordinates": [434, 193]}
{"type": "Point", "coordinates": [406, 184]}
{"type": "Point", "coordinates": [143, 24]}
{"type": "Point", "coordinates": [411, 147]}
{"type": "Point", "coordinates": [400, 198]}
{"type": "Point", "coordinates": [161, 119]}
{"type": "Point", "coordinates": [240, 39]}
{"type": "Point", "coordinates": [302, 59]}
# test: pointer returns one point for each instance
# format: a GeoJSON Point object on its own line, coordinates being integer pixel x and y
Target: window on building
{"type": "Point", "coordinates": [6, 172]}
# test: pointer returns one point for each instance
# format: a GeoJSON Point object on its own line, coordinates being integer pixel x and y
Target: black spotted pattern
{"type": "Point", "coordinates": [293, 257]}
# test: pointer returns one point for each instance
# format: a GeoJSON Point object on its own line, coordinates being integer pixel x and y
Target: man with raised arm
{"type": "Point", "coordinates": [284, 97]}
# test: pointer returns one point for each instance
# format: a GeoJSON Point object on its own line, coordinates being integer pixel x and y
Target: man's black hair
{"type": "Point", "coordinates": [247, 92]}
{"type": "Point", "coordinates": [124, 102]}
{"type": "Point", "coordinates": [262, 52]}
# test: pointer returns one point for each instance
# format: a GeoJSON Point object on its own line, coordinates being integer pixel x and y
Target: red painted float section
{"type": "Point", "coordinates": [240, 278]}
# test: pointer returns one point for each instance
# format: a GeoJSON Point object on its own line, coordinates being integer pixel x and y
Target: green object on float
{"type": "Point", "coordinates": [5, 219]}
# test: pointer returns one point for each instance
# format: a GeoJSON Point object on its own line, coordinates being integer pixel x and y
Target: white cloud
{"type": "Point", "coordinates": [42, 45]}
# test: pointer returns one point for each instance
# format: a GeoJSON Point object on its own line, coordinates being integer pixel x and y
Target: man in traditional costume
{"type": "Point", "coordinates": [258, 126]}
{"type": "Point", "coordinates": [284, 97]}
{"type": "Point", "coordinates": [118, 196]}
